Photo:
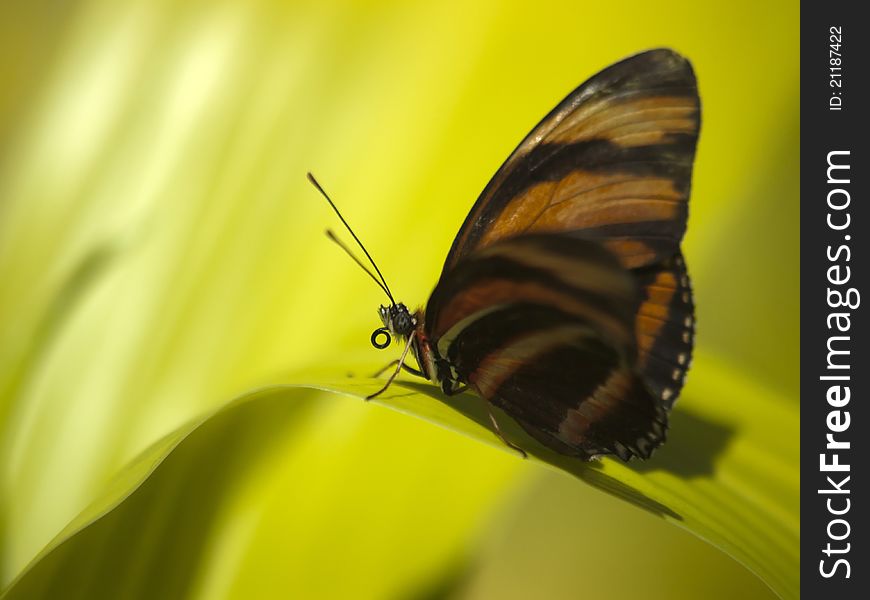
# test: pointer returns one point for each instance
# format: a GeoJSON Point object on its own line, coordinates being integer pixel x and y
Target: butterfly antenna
{"type": "Point", "coordinates": [383, 282]}
{"type": "Point", "coordinates": [331, 235]}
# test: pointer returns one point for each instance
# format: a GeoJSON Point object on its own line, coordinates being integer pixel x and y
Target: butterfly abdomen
{"type": "Point", "coordinates": [426, 358]}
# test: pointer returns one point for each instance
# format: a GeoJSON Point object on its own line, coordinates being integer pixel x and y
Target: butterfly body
{"type": "Point", "coordinates": [564, 299]}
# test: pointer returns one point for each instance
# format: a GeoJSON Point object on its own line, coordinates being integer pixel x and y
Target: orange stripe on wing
{"type": "Point", "coordinates": [571, 215]}
{"type": "Point", "coordinates": [582, 199]}
{"type": "Point", "coordinates": [581, 185]}
{"type": "Point", "coordinates": [653, 312]}
{"type": "Point", "coordinates": [604, 119]}
{"type": "Point", "coordinates": [520, 213]}
{"type": "Point", "coordinates": [632, 253]}
{"type": "Point", "coordinates": [591, 411]}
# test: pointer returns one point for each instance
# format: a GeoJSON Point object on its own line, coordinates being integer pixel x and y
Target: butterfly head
{"type": "Point", "coordinates": [398, 322]}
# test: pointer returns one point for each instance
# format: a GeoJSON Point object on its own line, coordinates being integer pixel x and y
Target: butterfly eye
{"type": "Point", "coordinates": [381, 331]}
{"type": "Point", "coordinates": [403, 324]}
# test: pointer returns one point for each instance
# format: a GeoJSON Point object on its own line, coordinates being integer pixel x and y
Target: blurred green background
{"type": "Point", "coordinates": [161, 253]}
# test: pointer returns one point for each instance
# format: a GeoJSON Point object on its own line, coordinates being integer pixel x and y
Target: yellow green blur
{"type": "Point", "coordinates": [161, 254]}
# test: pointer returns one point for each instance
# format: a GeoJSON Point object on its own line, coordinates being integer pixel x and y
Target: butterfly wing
{"type": "Point", "coordinates": [612, 161]}
{"type": "Point", "coordinates": [543, 326]}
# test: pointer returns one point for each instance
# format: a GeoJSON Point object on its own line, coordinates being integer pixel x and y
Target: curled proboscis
{"type": "Point", "coordinates": [378, 332]}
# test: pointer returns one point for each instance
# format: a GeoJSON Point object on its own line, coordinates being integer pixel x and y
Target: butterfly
{"type": "Point", "coordinates": [564, 300]}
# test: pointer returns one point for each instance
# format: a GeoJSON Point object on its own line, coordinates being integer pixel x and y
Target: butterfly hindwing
{"type": "Point", "coordinates": [543, 326]}
{"type": "Point", "coordinates": [575, 414]}
{"type": "Point", "coordinates": [613, 161]}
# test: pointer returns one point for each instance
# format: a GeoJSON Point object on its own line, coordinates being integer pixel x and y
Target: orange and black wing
{"type": "Point", "coordinates": [543, 326]}
{"type": "Point", "coordinates": [612, 161]}
{"type": "Point", "coordinates": [610, 166]}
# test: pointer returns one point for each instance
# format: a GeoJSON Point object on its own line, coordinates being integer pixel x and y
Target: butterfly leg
{"type": "Point", "coordinates": [449, 390]}
{"type": "Point", "coordinates": [404, 366]}
{"type": "Point", "coordinates": [498, 432]}
{"type": "Point", "coordinates": [401, 362]}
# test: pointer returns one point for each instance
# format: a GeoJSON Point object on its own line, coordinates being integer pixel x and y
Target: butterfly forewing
{"type": "Point", "coordinates": [613, 161]}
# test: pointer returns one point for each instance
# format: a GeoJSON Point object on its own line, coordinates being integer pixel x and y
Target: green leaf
{"type": "Point", "coordinates": [197, 496]}
{"type": "Point", "coordinates": [161, 252]}
{"type": "Point", "coordinates": [729, 472]}
{"type": "Point", "coordinates": [714, 477]}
